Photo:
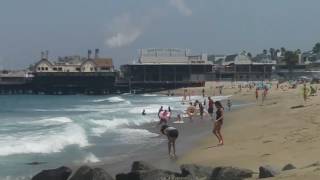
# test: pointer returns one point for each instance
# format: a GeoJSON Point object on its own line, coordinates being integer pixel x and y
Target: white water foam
{"type": "Point", "coordinates": [150, 95]}
{"type": "Point", "coordinates": [90, 158]}
{"type": "Point", "coordinates": [50, 121]}
{"type": "Point", "coordinates": [15, 178]}
{"type": "Point", "coordinates": [50, 141]}
{"type": "Point", "coordinates": [221, 98]}
{"type": "Point", "coordinates": [100, 100]}
{"type": "Point", "coordinates": [103, 126]}
{"type": "Point", "coordinates": [114, 99]}
{"type": "Point", "coordinates": [152, 108]}
{"type": "Point", "coordinates": [134, 136]}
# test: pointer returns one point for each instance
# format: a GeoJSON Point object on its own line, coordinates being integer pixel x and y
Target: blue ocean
{"type": "Point", "coordinates": [71, 130]}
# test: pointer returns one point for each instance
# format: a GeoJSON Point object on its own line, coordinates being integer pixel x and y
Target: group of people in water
{"type": "Point", "coordinates": [214, 109]}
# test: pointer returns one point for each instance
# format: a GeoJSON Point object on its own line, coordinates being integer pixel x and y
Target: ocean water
{"type": "Point", "coordinates": [70, 130]}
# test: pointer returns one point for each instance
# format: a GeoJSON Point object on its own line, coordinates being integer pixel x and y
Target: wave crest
{"type": "Point", "coordinates": [51, 141]}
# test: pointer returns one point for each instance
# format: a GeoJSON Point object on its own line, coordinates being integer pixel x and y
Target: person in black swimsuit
{"type": "Point", "coordinates": [172, 134]}
{"type": "Point", "coordinates": [218, 122]}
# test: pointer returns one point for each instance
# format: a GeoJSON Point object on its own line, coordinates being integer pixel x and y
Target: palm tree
{"type": "Point", "coordinates": [291, 59]}
{"type": "Point", "coordinates": [316, 48]}
{"type": "Point", "coordinates": [265, 52]}
{"type": "Point", "coordinates": [283, 51]}
{"type": "Point", "coordinates": [272, 53]}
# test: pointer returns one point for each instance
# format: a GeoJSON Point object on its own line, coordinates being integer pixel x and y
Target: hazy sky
{"type": "Point", "coordinates": [120, 27]}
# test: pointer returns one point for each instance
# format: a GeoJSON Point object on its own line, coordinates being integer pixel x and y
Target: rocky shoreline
{"type": "Point", "coordinates": [141, 170]}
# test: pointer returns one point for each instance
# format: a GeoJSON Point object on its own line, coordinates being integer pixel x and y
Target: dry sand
{"type": "Point", "coordinates": [275, 133]}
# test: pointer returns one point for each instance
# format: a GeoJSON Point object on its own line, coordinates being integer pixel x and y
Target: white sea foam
{"type": "Point", "coordinates": [115, 99]}
{"type": "Point", "coordinates": [50, 121]}
{"type": "Point", "coordinates": [102, 126]}
{"type": "Point", "coordinates": [50, 141]}
{"type": "Point", "coordinates": [150, 95]}
{"type": "Point", "coordinates": [221, 98]}
{"type": "Point", "coordinates": [90, 158]}
{"type": "Point", "coordinates": [152, 108]}
{"type": "Point", "coordinates": [134, 136]}
{"type": "Point", "coordinates": [100, 100]}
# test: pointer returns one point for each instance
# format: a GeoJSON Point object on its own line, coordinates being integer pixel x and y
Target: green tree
{"type": "Point", "coordinates": [272, 53]}
{"type": "Point", "coordinates": [283, 51]}
{"type": "Point", "coordinates": [316, 48]}
{"type": "Point", "coordinates": [249, 55]}
{"type": "Point", "coordinates": [265, 52]}
{"type": "Point", "coordinates": [291, 59]}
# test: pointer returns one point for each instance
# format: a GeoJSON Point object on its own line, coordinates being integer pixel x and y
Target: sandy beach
{"type": "Point", "coordinates": [279, 132]}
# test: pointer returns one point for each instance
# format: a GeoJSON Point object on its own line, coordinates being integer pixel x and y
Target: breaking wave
{"type": "Point", "coordinates": [49, 141]}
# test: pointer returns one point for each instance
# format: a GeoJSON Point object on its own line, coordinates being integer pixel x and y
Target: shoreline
{"type": "Point", "coordinates": [189, 135]}
{"type": "Point", "coordinates": [255, 134]}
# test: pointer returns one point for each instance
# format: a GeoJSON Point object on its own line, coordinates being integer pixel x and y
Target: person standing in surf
{"type": "Point", "coordinates": [218, 122]}
{"type": "Point", "coordinates": [164, 117]}
{"type": "Point", "coordinates": [160, 110]}
{"type": "Point", "coordinates": [172, 135]}
{"type": "Point", "coordinates": [210, 107]}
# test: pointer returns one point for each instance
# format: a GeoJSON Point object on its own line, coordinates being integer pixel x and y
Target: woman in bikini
{"type": "Point", "coordinates": [218, 122]}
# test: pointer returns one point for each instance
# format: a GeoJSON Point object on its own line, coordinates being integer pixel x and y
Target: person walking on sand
{"type": "Point", "coordinates": [210, 107]}
{"type": "Point", "coordinates": [305, 92]}
{"type": "Point", "coordinates": [172, 135]}
{"type": "Point", "coordinates": [203, 92]}
{"type": "Point", "coordinates": [257, 94]}
{"type": "Point", "coordinates": [218, 122]}
{"type": "Point", "coordinates": [264, 94]}
{"type": "Point", "coordinates": [201, 110]}
{"type": "Point", "coordinates": [229, 104]}
{"type": "Point", "coordinates": [191, 110]}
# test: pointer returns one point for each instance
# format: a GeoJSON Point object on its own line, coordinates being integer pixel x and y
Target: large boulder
{"type": "Point", "coordinates": [195, 171]}
{"type": "Point", "coordinates": [88, 173]}
{"type": "Point", "coordinates": [230, 173]}
{"type": "Point", "coordinates": [148, 175]}
{"type": "Point", "coordinates": [141, 166]}
{"type": "Point", "coordinates": [61, 173]}
{"type": "Point", "coordinates": [141, 170]}
{"type": "Point", "coordinates": [267, 171]}
{"type": "Point", "coordinates": [288, 167]}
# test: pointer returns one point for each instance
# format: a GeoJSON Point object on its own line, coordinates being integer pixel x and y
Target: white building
{"type": "Point", "coordinates": [170, 56]}
{"type": "Point", "coordinates": [91, 65]}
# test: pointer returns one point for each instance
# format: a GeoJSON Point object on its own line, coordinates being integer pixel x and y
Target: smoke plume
{"type": "Point", "coordinates": [123, 31]}
{"type": "Point", "coordinates": [126, 29]}
{"type": "Point", "coordinates": [182, 7]}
